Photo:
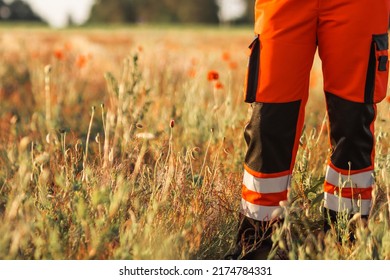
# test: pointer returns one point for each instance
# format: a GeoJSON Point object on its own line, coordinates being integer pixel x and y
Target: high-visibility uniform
{"type": "Point", "coordinates": [352, 41]}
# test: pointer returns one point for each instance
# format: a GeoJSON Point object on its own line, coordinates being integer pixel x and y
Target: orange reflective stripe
{"type": "Point", "coordinates": [352, 193]}
{"type": "Point", "coordinates": [263, 199]}
{"type": "Point", "coordinates": [264, 175]}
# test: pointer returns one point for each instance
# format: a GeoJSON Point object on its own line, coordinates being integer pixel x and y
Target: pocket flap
{"type": "Point", "coordinates": [381, 41]}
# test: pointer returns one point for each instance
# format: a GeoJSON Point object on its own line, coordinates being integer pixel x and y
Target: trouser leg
{"type": "Point", "coordinates": [278, 83]}
{"type": "Point", "coordinates": [349, 177]}
{"type": "Point", "coordinates": [353, 46]}
{"type": "Point", "coordinates": [272, 137]}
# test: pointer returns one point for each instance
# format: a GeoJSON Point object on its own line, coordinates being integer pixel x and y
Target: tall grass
{"type": "Point", "coordinates": [115, 145]}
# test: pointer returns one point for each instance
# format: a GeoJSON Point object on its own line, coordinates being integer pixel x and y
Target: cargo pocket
{"type": "Point", "coordinates": [252, 72]}
{"type": "Point", "coordinates": [378, 70]}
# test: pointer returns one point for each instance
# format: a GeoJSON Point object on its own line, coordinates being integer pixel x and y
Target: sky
{"type": "Point", "coordinates": [231, 8]}
{"type": "Point", "coordinates": [57, 12]}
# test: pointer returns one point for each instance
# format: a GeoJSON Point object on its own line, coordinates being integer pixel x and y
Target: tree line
{"type": "Point", "coordinates": [137, 11]}
{"type": "Point", "coordinates": [168, 11]}
{"type": "Point", "coordinates": [149, 11]}
{"type": "Point", "coordinates": [17, 11]}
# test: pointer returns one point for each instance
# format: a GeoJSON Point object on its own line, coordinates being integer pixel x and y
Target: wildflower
{"type": "Point", "coordinates": [233, 65]}
{"type": "Point", "coordinates": [172, 123]}
{"type": "Point", "coordinates": [81, 61]}
{"type": "Point", "coordinates": [59, 54]}
{"type": "Point", "coordinates": [212, 75]}
{"type": "Point", "coordinates": [226, 56]}
{"type": "Point", "coordinates": [218, 85]}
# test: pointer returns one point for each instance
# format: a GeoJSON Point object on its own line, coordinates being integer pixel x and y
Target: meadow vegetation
{"type": "Point", "coordinates": [128, 143]}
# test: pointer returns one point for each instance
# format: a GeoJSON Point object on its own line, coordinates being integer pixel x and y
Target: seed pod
{"type": "Point", "coordinates": [47, 69]}
{"type": "Point", "coordinates": [24, 143]}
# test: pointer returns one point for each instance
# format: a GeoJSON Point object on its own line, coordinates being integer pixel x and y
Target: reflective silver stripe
{"type": "Point", "coordinates": [338, 204]}
{"type": "Point", "coordinates": [260, 213]}
{"type": "Point", "coordinates": [266, 185]}
{"type": "Point", "coordinates": [361, 180]}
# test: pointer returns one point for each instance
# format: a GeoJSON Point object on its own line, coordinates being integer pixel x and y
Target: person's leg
{"type": "Point", "coordinates": [279, 89]}
{"type": "Point", "coordinates": [349, 177]}
{"type": "Point", "coordinates": [353, 46]}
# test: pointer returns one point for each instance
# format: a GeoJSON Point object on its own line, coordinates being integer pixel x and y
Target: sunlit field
{"type": "Point", "coordinates": [127, 143]}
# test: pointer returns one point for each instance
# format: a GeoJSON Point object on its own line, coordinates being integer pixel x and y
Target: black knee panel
{"type": "Point", "coordinates": [351, 134]}
{"type": "Point", "coordinates": [270, 136]}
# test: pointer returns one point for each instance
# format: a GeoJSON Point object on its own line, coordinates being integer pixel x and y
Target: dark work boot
{"type": "Point", "coordinates": [253, 241]}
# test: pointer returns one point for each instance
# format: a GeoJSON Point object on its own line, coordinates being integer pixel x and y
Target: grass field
{"type": "Point", "coordinates": [114, 144]}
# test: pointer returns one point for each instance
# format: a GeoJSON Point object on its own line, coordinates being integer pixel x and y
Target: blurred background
{"type": "Point", "coordinates": [61, 13]}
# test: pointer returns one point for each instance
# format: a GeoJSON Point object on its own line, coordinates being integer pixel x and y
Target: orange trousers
{"type": "Point", "coordinates": [352, 41]}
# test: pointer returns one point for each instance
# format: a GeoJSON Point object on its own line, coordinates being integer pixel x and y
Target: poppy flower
{"type": "Point", "coordinates": [233, 65]}
{"type": "Point", "coordinates": [59, 54]}
{"type": "Point", "coordinates": [212, 75]}
{"type": "Point", "coordinates": [81, 61]}
{"type": "Point", "coordinates": [226, 56]}
{"type": "Point", "coordinates": [218, 85]}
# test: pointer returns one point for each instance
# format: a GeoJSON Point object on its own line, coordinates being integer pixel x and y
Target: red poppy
{"type": "Point", "coordinates": [81, 61]}
{"type": "Point", "coordinates": [226, 56]}
{"type": "Point", "coordinates": [212, 75]}
{"type": "Point", "coordinates": [59, 54]}
{"type": "Point", "coordinates": [218, 85]}
{"type": "Point", "coordinates": [233, 65]}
